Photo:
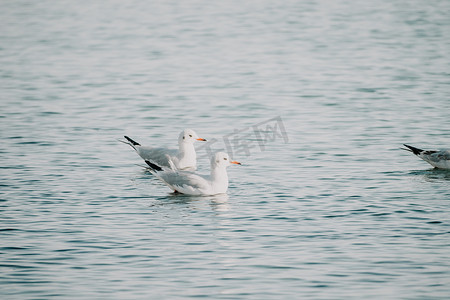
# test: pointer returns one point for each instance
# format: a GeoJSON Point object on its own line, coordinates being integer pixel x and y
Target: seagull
{"type": "Point", "coordinates": [192, 184]}
{"type": "Point", "coordinates": [184, 158]}
{"type": "Point", "coordinates": [437, 158]}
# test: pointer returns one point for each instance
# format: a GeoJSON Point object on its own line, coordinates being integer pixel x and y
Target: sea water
{"type": "Point", "coordinates": [328, 208]}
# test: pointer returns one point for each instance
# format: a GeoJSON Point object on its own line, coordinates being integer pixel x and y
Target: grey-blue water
{"type": "Point", "coordinates": [337, 211]}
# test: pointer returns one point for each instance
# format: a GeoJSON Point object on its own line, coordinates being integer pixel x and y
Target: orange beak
{"type": "Point", "coordinates": [200, 139]}
{"type": "Point", "coordinates": [235, 162]}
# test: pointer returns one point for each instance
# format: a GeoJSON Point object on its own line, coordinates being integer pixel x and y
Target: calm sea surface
{"type": "Point", "coordinates": [337, 211]}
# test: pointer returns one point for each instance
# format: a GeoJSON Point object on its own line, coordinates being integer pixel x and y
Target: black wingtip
{"type": "Point", "coordinates": [414, 150]}
{"type": "Point", "coordinates": [134, 143]}
{"type": "Point", "coordinates": [153, 166]}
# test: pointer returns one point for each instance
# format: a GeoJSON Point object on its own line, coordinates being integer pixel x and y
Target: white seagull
{"type": "Point", "coordinates": [437, 158]}
{"type": "Point", "coordinates": [193, 184]}
{"type": "Point", "coordinates": [184, 158]}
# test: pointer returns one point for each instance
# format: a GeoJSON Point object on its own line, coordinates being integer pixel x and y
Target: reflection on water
{"type": "Point", "coordinates": [433, 174]}
{"type": "Point", "coordinates": [220, 202]}
{"type": "Point", "coordinates": [216, 202]}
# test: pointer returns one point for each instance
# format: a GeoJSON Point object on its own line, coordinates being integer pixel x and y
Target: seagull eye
{"type": "Point", "coordinates": [224, 158]}
{"type": "Point", "coordinates": [190, 135]}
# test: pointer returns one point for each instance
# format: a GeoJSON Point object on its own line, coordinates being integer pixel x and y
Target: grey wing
{"type": "Point", "coordinates": [184, 182]}
{"type": "Point", "coordinates": [440, 155]}
{"type": "Point", "coordinates": [158, 156]}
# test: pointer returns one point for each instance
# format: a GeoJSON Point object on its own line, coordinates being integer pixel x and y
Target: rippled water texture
{"type": "Point", "coordinates": [337, 212]}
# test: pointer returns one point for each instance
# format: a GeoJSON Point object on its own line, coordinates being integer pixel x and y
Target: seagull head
{"type": "Point", "coordinates": [189, 136]}
{"type": "Point", "coordinates": [222, 159]}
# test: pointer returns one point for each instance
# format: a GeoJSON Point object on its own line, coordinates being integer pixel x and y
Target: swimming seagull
{"type": "Point", "coordinates": [193, 184]}
{"type": "Point", "coordinates": [184, 158]}
{"type": "Point", "coordinates": [437, 158]}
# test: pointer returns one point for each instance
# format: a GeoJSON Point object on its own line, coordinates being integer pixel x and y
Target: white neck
{"type": "Point", "coordinates": [219, 178]}
{"type": "Point", "coordinates": [187, 156]}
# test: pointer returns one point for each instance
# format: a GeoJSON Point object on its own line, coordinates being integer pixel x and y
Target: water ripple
{"type": "Point", "coordinates": [338, 212]}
